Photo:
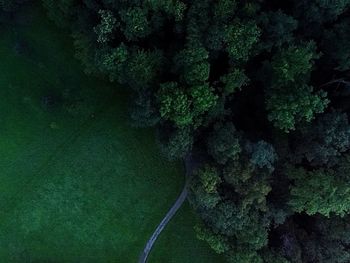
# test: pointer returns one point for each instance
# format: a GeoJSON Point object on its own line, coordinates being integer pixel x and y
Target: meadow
{"type": "Point", "coordinates": [77, 182]}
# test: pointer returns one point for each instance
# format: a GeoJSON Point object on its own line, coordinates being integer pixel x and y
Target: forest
{"type": "Point", "coordinates": [254, 93]}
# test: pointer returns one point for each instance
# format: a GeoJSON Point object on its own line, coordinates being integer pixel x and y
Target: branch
{"type": "Point", "coordinates": [339, 81]}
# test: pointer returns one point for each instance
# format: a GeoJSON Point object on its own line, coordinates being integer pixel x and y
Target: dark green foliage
{"type": "Point", "coordinates": [321, 191]}
{"type": "Point", "coordinates": [323, 141]}
{"type": "Point", "coordinates": [134, 23]}
{"type": "Point", "coordinates": [290, 99]}
{"type": "Point", "coordinates": [244, 84]}
{"type": "Point", "coordinates": [84, 51]}
{"type": "Point", "coordinates": [203, 98]}
{"type": "Point", "coordinates": [241, 254]}
{"type": "Point", "coordinates": [240, 39]}
{"type": "Point", "coordinates": [245, 225]}
{"type": "Point", "coordinates": [216, 241]}
{"type": "Point", "coordinates": [324, 240]}
{"type": "Point", "coordinates": [204, 185]}
{"type": "Point", "coordinates": [293, 64]}
{"type": "Point", "coordinates": [271, 256]}
{"type": "Point", "coordinates": [174, 104]}
{"type": "Point", "coordinates": [178, 143]}
{"type": "Point", "coordinates": [262, 155]}
{"type": "Point", "coordinates": [224, 10]}
{"type": "Point", "coordinates": [224, 143]}
{"type": "Point", "coordinates": [236, 215]}
{"type": "Point", "coordinates": [251, 185]}
{"type": "Point", "coordinates": [250, 174]}
{"type": "Point", "coordinates": [142, 68]}
{"type": "Point", "coordinates": [174, 8]}
{"type": "Point", "coordinates": [319, 11]}
{"type": "Point", "coordinates": [335, 232]}
{"type": "Point", "coordinates": [105, 29]}
{"type": "Point", "coordinates": [143, 112]}
{"type": "Point", "coordinates": [10, 5]}
{"type": "Point", "coordinates": [209, 178]}
{"type": "Point", "coordinates": [192, 64]}
{"type": "Point", "coordinates": [180, 107]}
{"type": "Point", "coordinates": [226, 218]}
{"type": "Point", "coordinates": [112, 62]}
{"type": "Point", "coordinates": [234, 81]}
{"type": "Point", "coordinates": [337, 44]}
{"type": "Point", "coordinates": [278, 29]}
{"type": "Point", "coordinates": [61, 11]}
{"type": "Point", "coordinates": [289, 105]}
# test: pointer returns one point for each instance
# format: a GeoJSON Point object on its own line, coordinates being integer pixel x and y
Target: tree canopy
{"type": "Point", "coordinates": [256, 91]}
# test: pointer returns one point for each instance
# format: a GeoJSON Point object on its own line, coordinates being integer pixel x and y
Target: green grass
{"type": "Point", "coordinates": [77, 183]}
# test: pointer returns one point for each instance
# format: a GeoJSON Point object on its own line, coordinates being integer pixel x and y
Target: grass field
{"type": "Point", "coordinates": [77, 183]}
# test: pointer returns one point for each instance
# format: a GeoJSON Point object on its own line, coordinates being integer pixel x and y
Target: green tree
{"type": "Point", "coordinates": [318, 12]}
{"type": "Point", "coordinates": [209, 178]}
{"type": "Point", "coordinates": [112, 62]}
{"type": "Point", "coordinates": [290, 99]}
{"type": "Point", "coordinates": [234, 81]}
{"type": "Point", "coordinates": [263, 155]}
{"type": "Point", "coordinates": [135, 23]}
{"type": "Point", "coordinates": [246, 226]}
{"type": "Point", "coordinates": [334, 236]}
{"type": "Point", "coordinates": [224, 143]}
{"type": "Point", "coordinates": [217, 242]}
{"type": "Point", "coordinates": [321, 240]}
{"type": "Point", "coordinates": [323, 141]}
{"type": "Point", "coordinates": [293, 63]}
{"type": "Point", "coordinates": [204, 187]}
{"type": "Point", "coordinates": [104, 30]}
{"type": "Point", "coordinates": [252, 186]}
{"type": "Point", "coordinates": [336, 44]}
{"type": "Point", "coordinates": [144, 112]}
{"type": "Point", "coordinates": [319, 191]}
{"type": "Point", "coordinates": [175, 105]}
{"type": "Point", "coordinates": [203, 98]}
{"type": "Point", "coordinates": [185, 61]}
{"type": "Point", "coordinates": [224, 10]}
{"type": "Point", "coordinates": [277, 29]}
{"type": "Point", "coordinates": [62, 12]}
{"type": "Point", "coordinates": [84, 52]}
{"type": "Point", "coordinates": [243, 254]}
{"type": "Point", "coordinates": [177, 143]}
{"type": "Point", "coordinates": [192, 64]}
{"type": "Point", "coordinates": [180, 107]}
{"type": "Point", "coordinates": [293, 104]}
{"type": "Point", "coordinates": [240, 39]}
{"type": "Point", "coordinates": [175, 8]}
{"type": "Point", "coordinates": [272, 256]}
{"type": "Point", "coordinates": [142, 68]}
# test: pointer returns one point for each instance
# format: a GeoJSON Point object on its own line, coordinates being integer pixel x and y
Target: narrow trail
{"type": "Point", "coordinates": [172, 211]}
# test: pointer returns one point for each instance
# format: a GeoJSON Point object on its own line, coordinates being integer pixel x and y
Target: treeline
{"type": "Point", "coordinates": [256, 90]}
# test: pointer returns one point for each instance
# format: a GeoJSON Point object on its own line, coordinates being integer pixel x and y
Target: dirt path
{"type": "Point", "coordinates": [172, 211]}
